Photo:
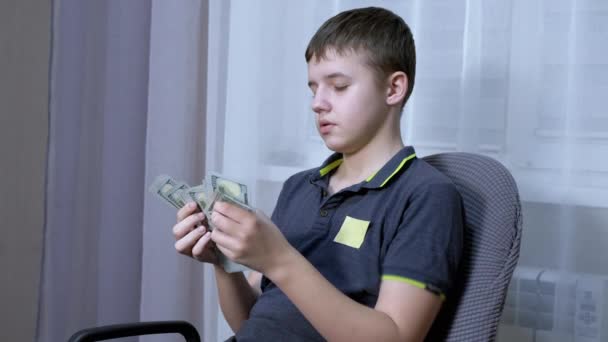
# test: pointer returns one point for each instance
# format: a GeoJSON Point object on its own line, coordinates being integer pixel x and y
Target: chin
{"type": "Point", "coordinates": [332, 146]}
{"type": "Point", "coordinates": [337, 146]}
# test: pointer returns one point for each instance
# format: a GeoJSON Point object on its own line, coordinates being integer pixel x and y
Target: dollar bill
{"type": "Point", "coordinates": [214, 189]}
{"type": "Point", "coordinates": [176, 193]}
{"type": "Point", "coordinates": [163, 185]}
{"type": "Point", "coordinates": [199, 195]}
{"type": "Point", "coordinates": [229, 265]}
{"type": "Point", "coordinates": [185, 196]}
{"type": "Point", "coordinates": [219, 196]}
{"type": "Point", "coordinates": [233, 192]}
{"type": "Point", "coordinates": [229, 187]}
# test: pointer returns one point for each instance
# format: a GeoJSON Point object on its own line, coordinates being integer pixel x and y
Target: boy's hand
{"type": "Point", "coordinates": [191, 240]}
{"type": "Point", "coordinates": [249, 238]}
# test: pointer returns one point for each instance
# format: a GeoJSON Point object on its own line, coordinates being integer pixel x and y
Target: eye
{"type": "Point", "coordinates": [340, 87]}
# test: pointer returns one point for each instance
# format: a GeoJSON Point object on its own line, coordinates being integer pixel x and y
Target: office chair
{"type": "Point", "coordinates": [492, 236]}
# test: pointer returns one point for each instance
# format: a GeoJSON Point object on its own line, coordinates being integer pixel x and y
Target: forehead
{"type": "Point", "coordinates": [350, 63]}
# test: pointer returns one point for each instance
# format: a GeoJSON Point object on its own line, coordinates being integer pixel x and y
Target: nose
{"type": "Point", "coordinates": [320, 104]}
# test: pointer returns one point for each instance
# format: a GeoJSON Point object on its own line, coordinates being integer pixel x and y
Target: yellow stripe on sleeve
{"type": "Point", "coordinates": [413, 282]}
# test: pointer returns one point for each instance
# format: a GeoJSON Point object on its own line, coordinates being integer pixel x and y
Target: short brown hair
{"type": "Point", "coordinates": [380, 33]}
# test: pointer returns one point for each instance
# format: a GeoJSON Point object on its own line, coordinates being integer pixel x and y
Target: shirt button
{"type": "Point", "coordinates": [324, 193]}
{"type": "Point", "coordinates": [323, 212]}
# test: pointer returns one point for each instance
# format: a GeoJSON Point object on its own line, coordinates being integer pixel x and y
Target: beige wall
{"type": "Point", "coordinates": [24, 56]}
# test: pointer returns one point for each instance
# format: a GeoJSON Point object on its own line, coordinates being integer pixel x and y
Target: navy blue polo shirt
{"type": "Point", "coordinates": [403, 223]}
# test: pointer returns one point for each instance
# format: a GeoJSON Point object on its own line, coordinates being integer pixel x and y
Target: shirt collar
{"type": "Point", "coordinates": [398, 163]}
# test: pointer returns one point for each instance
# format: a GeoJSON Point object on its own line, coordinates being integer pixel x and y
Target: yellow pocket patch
{"type": "Point", "coordinates": [352, 232]}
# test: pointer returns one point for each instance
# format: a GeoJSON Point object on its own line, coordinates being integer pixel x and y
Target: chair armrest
{"type": "Point", "coordinates": [136, 329]}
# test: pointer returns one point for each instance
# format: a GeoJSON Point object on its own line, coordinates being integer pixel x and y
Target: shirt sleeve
{"type": "Point", "coordinates": [425, 250]}
{"type": "Point", "coordinates": [276, 217]}
{"type": "Point", "coordinates": [281, 203]}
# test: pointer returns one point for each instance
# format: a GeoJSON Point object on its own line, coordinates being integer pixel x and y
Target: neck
{"type": "Point", "coordinates": [365, 161]}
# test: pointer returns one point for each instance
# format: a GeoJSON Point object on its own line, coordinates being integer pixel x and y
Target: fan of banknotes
{"type": "Point", "coordinates": [213, 188]}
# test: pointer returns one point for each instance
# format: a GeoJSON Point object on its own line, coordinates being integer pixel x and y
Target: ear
{"type": "Point", "coordinates": [397, 88]}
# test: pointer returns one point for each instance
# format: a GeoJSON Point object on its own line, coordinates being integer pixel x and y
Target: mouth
{"type": "Point", "coordinates": [325, 127]}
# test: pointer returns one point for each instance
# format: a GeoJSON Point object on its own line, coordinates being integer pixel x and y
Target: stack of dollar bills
{"type": "Point", "coordinates": [213, 188]}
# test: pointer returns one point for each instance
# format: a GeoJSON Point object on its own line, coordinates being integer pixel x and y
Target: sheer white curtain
{"type": "Point", "coordinates": [126, 104]}
{"type": "Point", "coordinates": [521, 81]}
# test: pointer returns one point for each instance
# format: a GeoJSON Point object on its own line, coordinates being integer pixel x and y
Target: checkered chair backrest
{"type": "Point", "coordinates": [493, 225]}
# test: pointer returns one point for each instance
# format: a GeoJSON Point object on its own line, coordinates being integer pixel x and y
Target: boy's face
{"type": "Point", "coordinates": [349, 104]}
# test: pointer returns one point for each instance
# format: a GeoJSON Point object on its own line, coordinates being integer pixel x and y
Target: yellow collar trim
{"type": "Point", "coordinates": [370, 177]}
{"type": "Point", "coordinates": [411, 156]}
{"type": "Point", "coordinates": [405, 160]}
{"type": "Point", "coordinates": [330, 167]}
{"type": "Point", "coordinates": [337, 163]}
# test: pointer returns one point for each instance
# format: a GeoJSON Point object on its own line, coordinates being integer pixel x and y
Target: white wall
{"type": "Point", "coordinates": [24, 54]}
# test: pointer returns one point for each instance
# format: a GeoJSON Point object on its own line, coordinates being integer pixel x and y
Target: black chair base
{"type": "Point", "coordinates": [108, 332]}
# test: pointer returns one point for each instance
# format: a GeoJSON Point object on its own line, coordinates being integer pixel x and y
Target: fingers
{"type": "Point", "coordinates": [186, 211]}
{"type": "Point", "coordinates": [227, 252]}
{"type": "Point", "coordinates": [225, 223]}
{"type": "Point", "coordinates": [186, 225]}
{"type": "Point", "coordinates": [199, 247]}
{"type": "Point", "coordinates": [224, 241]}
{"type": "Point", "coordinates": [232, 211]}
{"type": "Point", "coordinates": [185, 244]}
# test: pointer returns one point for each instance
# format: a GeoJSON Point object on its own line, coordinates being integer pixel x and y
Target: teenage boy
{"type": "Point", "coordinates": [364, 247]}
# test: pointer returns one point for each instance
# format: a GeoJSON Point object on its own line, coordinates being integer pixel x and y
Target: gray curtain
{"type": "Point", "coordinates": [108, 251]}
{"type": "Point", "coordinates": [92, 262]}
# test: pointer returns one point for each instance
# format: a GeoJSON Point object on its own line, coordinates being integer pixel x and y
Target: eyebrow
{"type": "Point", "coordinates": [330, 76]}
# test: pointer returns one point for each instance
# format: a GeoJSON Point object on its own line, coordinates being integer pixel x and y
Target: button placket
{"type": "Point", "coordinates": [326, 211]}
